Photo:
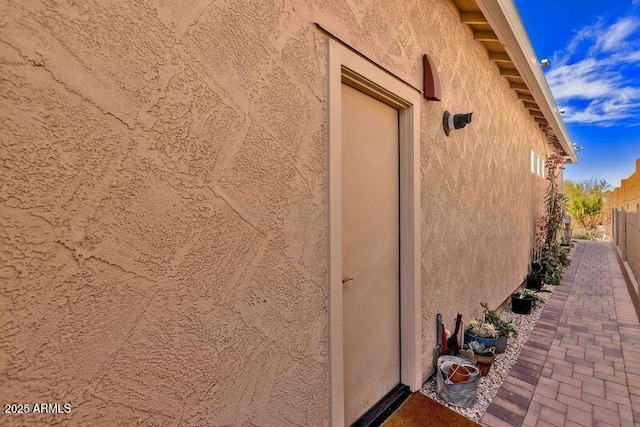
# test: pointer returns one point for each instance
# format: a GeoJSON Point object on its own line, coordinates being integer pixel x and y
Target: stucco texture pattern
{"type": "Point", "coordinates": [163, 203]}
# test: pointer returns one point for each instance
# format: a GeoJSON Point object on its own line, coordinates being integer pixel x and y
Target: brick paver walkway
{"type": "Point", "coordinates": [581, 365]}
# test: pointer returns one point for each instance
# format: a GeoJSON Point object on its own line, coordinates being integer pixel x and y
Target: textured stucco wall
{"type": "Point", "coordinates": [163, 216]}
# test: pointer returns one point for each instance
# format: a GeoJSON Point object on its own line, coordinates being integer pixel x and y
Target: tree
{"type": "Point", "coordinates": [588, 211]}
{"type": "Point", "coordinates": [586, 200]}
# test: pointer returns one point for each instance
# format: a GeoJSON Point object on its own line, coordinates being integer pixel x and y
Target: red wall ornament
{"type": "Point", "coordinates": [431, 89]}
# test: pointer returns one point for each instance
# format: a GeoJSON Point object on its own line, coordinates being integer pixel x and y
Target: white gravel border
{"type": "Point", "coordinates": [488, 386]}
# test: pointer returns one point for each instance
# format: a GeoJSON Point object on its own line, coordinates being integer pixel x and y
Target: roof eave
{"type": "Point", "coordinates": [505, 21]}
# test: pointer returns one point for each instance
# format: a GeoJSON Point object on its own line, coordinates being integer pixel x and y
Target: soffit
{"type": "Point", "coordinates": [538, 100]}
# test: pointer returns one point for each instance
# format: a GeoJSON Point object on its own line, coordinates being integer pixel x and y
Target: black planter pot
{"type": "Point", "coordinates": [534, 282]}
{"type": "Point", "coordinates": [539, 268]}
{"type": "Point", "coordinates": [521, 305]}
{"type": "Point", "coordinates": [501, 344]}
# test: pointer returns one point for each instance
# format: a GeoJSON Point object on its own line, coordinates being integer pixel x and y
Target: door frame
{"type": "Point", "coordinates": [347, 66]}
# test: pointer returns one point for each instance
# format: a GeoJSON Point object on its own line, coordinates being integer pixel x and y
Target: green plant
{"type": "Point", "coordinates": [539, 237]}
{"type": "Point", "coordinates": [534, 279]}
{"type": "Point", "coordinates": [530, 293]}
{"type": "Point", "coordinates": [481, 349]}
{"type": "Point", "coordinates": [584, 235]}
{"type": "Point", "coordinates": [555, 260]}
{"type": "Point", "coordinates": [482, 329]}
{"type": "Point", "coordinates": [553, 274]}
{"type": "Point", "coordinates": [555, 202]}
{"type": "Point", "coordinates": [588, 211]}
{"type": "Point", "coordinates": [563, 256]}
{"type": "Point", "coordinates": [586, 201]}
{"type": "Point", "coordinates": [504, 328]}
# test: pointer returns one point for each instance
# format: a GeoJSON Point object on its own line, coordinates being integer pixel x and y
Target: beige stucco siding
{"type": "Point", "coordinates": [163, 203]}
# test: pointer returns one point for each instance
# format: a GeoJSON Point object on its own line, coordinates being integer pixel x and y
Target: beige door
{"type": "Point", "coordinates": [370, 250]}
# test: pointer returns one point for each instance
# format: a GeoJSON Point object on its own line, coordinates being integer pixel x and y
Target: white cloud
{"type": "Point", "coordinates": [590, 76]}
{"type": "Point", "coordinates": [613, 37]}
{"type": "Point", "coordinates": [564, 56]}
{"type": "Point", "coordinates": [605, 111]}
{"type": "Point", "coordinates": [581, 80]}
{"type": "Point", "coordinates": [626, 57]}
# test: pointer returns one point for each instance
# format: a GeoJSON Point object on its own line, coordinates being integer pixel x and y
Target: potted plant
{"type": "Point", "coordinates": [534, 280]}
{"type": "Point", "coordinates": [538, 267]}
{"type": "Point", "coordinates": [556, 259]}
{"type": "Point", "coordinates": [484, 356]}
{"type": "Point", "coordinates": [523, 301]}
{"type": "Point", "coordinates": [505, 329]}
{"type": "Point", "coordinates": [482, 332]}
{"type": "Point", "coordinates": [553, 274]}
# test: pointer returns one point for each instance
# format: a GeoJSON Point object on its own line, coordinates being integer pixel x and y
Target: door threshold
{"type": "Point", "coordinates": [384, 408]}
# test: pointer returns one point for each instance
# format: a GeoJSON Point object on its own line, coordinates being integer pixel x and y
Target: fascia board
{"type": "Point", "coordinates": [505, 21]}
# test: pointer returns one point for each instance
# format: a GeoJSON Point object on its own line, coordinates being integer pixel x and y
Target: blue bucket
{"type": "Point", "coordinates": [488, 342]}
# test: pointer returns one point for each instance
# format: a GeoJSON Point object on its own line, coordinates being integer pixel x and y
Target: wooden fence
{"type": "Point", "coordinates": [626, 236]}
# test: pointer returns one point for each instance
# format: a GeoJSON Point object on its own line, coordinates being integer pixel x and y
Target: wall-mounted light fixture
{"type": "Point", "coordinates": [457, 121]}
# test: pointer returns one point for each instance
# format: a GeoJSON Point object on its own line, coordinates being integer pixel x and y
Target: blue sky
{"type": "Point", "coordinates": [594, 50]}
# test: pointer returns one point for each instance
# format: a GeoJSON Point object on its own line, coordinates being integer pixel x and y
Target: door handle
{"type": "Point", "coordinates": [347, 279]}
